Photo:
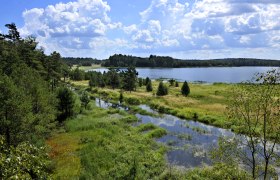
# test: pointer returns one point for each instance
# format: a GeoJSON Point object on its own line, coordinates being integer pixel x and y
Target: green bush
{"type": "Point", "coordinates": [132, 101]}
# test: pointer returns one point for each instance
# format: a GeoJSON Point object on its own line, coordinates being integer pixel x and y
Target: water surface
{"type": "Point", "coordinates": [210, 74]}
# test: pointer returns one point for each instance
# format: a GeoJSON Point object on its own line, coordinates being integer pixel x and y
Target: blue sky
{"type": "Point", "coordinates": [187, 29]}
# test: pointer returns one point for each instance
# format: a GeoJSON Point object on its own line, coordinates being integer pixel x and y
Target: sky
{"type": "Point", "coordinates": [186, 29]}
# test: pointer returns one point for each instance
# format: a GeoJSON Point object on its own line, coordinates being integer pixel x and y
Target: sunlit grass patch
{"type": "Point", "coordinates": [64, 153]}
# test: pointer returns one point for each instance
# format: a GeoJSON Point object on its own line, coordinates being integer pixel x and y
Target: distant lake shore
{"type": "Point", "coordinates": [200, 74]}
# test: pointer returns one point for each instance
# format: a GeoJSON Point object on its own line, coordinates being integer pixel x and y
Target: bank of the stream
{"type": "Point", "coordinates": [206, 102]}
{"type": "Point", "coordinates": [109, 144]}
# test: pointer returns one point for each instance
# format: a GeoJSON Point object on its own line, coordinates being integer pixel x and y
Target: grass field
{"type": "Point", "coordinates": [85, 68]}
{"type": "Point", "coordinates": [102, 145]}
{"type": "Point", "coordinates": [206, 102]}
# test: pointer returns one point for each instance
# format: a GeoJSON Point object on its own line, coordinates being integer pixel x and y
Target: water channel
{"type": "Point", "coordinates": [189, 141]}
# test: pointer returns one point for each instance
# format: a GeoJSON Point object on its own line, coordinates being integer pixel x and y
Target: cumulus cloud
{"type": "Point", "coordinates": [208, 24]}
{"type": "Point", "coordinates": [165, 26]}
{"type": "Point", "coordinates": [73, 25]}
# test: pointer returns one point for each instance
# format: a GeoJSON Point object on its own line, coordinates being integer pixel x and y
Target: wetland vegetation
{"type": "Point", "coordinates": [58, 122]}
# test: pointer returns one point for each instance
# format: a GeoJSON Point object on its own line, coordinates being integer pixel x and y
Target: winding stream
{"type": "Point", "coordinates": [190, 141]}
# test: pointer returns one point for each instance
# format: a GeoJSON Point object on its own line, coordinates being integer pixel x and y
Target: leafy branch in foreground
{"type": "Point", "coordinates": [255, 110]}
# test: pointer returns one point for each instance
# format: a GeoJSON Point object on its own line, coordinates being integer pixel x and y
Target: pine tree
{"type": "Point", "coordinates": [113, 78]}
{"type": "Point", "coordinates": [185, 90]}
{"type": "Point", "coordinates": [130, 79]}
{"type": "Point", "coordinates": [66, 103]}
{"type": "Point", "coordinates": [140, 82]}
{"type": "Point", "coordinates": [149, 86]}
{"type": "Point", "coordinates": [121, 97]}
{"type": "Point", "coordinates": [85, 99]}
{"type": "Point", "coordinates": [162, 89]}
{"type": "Point", "coordinates": [177, 84]}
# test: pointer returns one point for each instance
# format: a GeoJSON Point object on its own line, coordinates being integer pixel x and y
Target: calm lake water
{"type": "Point", "coordinates": [209, 75]}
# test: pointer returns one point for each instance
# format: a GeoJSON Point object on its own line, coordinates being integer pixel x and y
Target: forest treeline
{"type": "Point", "coordinates": [80, 61]}
{"type": "Point", "coordinates": [119, 60]}
{"type": "Point", "coordinates": [34, 100]}
{"type": "Point", "coordinates": [165, 61]}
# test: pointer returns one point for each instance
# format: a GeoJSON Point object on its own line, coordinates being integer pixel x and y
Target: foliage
{"type": "Point", "coordinates": [108, 148]}
{"type": "Point", "coordinates": [85, 99]}
{"type": "Point", "coordinates": [149, 86]}
{"type": "Point", "coordinates": [25, 161]}
{"type": "Point", "coordinates": [162, 89]}
{"type": "Point", "coordinates": [113, 78]}
{"type": "Point", "coordinates": [185, 90]}
{"type": "Point", "coordinates": [254, 108]}
{"type": "Point", "coordinates": [66, 103]}
{"type": "Point", "coordinates": [130, 79]}
{"type": "Point", "coordinates": [219, 171]}
{"type": "Point", "coordinates": [140, 82]}
{"type": "Point", "coordinates": [171, 82]}
{"type": "Point", "coordinates": [121, 97]}
{"type": "Point", "coordinates": [119, 60]}
{"type": "Point", "coordinates": [132, 101]}
{"type": "Point", "coordinates": [77, 74]}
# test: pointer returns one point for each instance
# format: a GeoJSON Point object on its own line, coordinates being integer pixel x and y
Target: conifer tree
{"type": "Point", "coordinates": [149, 86]}
{"type": "Point", "coordinates": [185, 90]}
{"type": "Point", "coordinates": [162, 89]}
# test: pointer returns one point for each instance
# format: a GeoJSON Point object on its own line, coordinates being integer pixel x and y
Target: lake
{"type": "Point", "coordinates": [208, 75]}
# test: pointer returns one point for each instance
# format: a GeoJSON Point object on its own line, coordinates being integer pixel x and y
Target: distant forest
{"type": "Point", "coordinates": [80, 61]}
{"type": "Point", "coordinates": [119, 60]}
{"type": "Point", "coordinates": [162, 61]}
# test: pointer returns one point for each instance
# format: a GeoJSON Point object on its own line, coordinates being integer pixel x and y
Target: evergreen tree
{"type": "Point", "coordinates": [149, 86]}
{"type": "Point", "coordinates": [140, 82]}
{"type": "Point", "coordinates": [15, 112]}
{"type": "Point", "coordinates": [77, 75]}
{"type": "Point", "coordinates": [130, 79]}
{"type": "Point", "coordinates": [65, 103]}
{"type": "Point", "coordinates": [176, 84]}
{"type": "Point", "coordinates": [121, 97]}
{"type": "Point", "coordinates": [113, 77]}
{"type": "Point", "coordinates": [185, 90]}
{"type": "Point", "coordinates": [162, 89]}
{"type": "Point", "coordinates": [92, 81]}
{"type": "Point", "coordinates": [85, 99]}
{"type": "Point", "coordinates": [146, 80]}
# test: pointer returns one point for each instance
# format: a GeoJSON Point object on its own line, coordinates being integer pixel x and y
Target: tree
{"type": "Point", "coordinates": [185, 90]}
{"type": "Point", "coordinates": [13, 33]}
{"type": "Point", "coordinates": [15, 112]}
{"type": "Point", "coordinates": [85, 99]}
{"type": "Point", "coordinates": [121, 97]}
{"type": "Point", "coordinates": [177, 84]}
{"type": "Point", "coordinates": [162, 89]}
{"type": "Point", "coordinates": [146, 80]}
{"type": "Point", "coordinates": [53, 66]}
{"type": "Point", "coordinates": [130, 79]}
{"type": "Point", "coordinates": [255, 110]}
{"type": "Point", "coordinates": [77, 75]}
{"type": "Point", "coordinates": [114, 79]}
{"type": "Point", "coordinates": [140, 82]}
{"type": "Point", "coordinates": [149, 86]}
{"type": "Point", "coordinates": [66, 103]}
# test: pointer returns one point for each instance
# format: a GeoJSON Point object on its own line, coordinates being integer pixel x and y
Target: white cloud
{"type": "Point", "coordinates": [208, 24]}
{"type": "Point", "coordinates": [165, 26]}
{"type": "Point", "coordinates": [130, 29]}
{"type": "Point", "coordinates": [70, 25]}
